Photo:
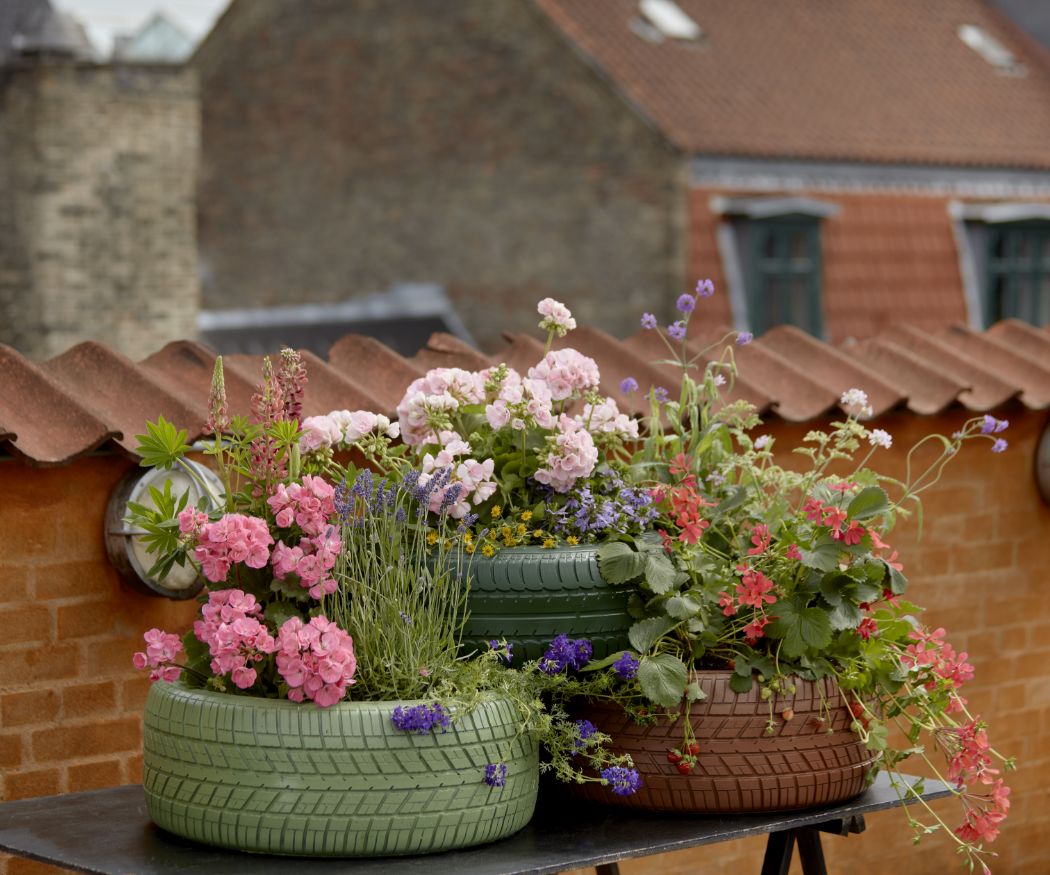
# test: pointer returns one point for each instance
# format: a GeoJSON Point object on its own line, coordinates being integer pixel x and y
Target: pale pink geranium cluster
{"type": "Point", "coordinates": [605, 419]}
{"type": "Point", "coordinates": [556, 317]}
{"type": "Point", "coordinates": [316, 660]}
{"type": "Point", "coordinates": [969, 764]}
{"type": "Point", "coordinates": [432, 397]}
{"type": "Point", "coordinates": [233, 538]}
{"type": "Point", "coordinates": [231, 625]}
{"type": "Point", "coordinates": [468, 479]}
{"type": "Point", "coordinates": [161, 649]}
{"type": "Point", "coordinates": [342, 428]}
{"type": "Point", "coordinates": [570, 455]}
{"type": "Point", "coordinates": [566, 372]}
{"type": "Point", "coordinates": [520, 403]}
{"type": "Point", "coordinates": [931, 653]}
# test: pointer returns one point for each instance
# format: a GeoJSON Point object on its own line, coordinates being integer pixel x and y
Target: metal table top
{"type": "Point", "coordinates": [109, 832]}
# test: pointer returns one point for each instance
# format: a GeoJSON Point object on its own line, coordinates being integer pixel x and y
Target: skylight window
{"type": "Point", "coordinates": [669, 19]}
{"type": "Point", "coordinates": [989, 48]}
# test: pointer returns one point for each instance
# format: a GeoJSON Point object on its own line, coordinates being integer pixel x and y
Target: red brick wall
{"type": "Point", "coordinates": [70, 701]}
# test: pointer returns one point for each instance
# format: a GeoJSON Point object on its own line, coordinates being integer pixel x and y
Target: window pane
{"type": "Point", "coordinates": [1018, 279]}
{"type": "Point", "coordinates": [784, 275]}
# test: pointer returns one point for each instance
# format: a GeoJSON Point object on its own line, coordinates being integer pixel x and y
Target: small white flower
{"type": "Point", "coordinates": [720, 380]}
{"type": "Point", "coordinates": [854, 398]}
{"type": "Point", "coordinates": [880, 438]}
{"type": "Point", "coordinates": [761, 441]}
{"type": "Point", "coordinates": [556, 317]}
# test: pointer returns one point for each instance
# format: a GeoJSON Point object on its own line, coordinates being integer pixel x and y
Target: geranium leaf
{"type": "Point", "coordinates": [663, 679]}
{"type": "Point", "coordinates": [619, 563]}
{"type": "Point", "coordinates": [867, 503]}
{"type": "Point", "coordinates": [682, 607]}
{"type": "Point", "coordinates": [660, 574]}
{"type": "Point", "coordinates": [645, 633]}
{"type": "Point", "coordinates": [824, 555]}
{"type": "Point", "coordinates": [898, 582]}
{"type": "Point", "coordinates": [740, 683]}
{"type": "Point", "coordinates": [800, 628]}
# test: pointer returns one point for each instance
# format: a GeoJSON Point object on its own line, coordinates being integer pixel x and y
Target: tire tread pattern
{"type": "Point", "coordinates": [274, 777]}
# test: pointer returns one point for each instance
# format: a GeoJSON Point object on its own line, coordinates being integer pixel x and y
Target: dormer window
{"type": "Point", "coordinates": [775, 249]}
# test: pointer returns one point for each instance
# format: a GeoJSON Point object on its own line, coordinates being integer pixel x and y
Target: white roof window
{"type": "Point", "coordinates": [669, 19]}
{"type": "Point", "coordinates": [989, 48]}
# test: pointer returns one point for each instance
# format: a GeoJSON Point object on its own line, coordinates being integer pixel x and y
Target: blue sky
{"type": "Point", "coordinates": [104, 18]}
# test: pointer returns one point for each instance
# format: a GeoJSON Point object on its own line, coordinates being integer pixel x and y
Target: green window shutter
{"type": "Point", "coordinates": [783, 274]}
{"type": "Point", "coordinates": [1017, 275]}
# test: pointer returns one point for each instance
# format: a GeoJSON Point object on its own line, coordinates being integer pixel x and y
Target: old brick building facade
{"type": "Point", "coordinates": [97, 173]}
{"type": "Point", "coordinates": [831, 167]}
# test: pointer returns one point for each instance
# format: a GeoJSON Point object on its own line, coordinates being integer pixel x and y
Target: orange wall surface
{"type": "Point", "coordinates": [70, 702]}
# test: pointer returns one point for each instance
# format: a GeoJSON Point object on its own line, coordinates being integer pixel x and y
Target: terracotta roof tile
{"type": "Point", "coordinates": [119, 393]}
{"type": "Point", "coordinates": [42, 420]}
{"type": "Point", "coordinates": [984, 390]}
{"type": "Point", "coordinates": [55, 412]}
{"type": "Point", "coordinates": [448, 351]}
{"type": "Point", "coordinates": [927, 389]}
{"type": "Point", "coordinates": [369, 363]}
{"type": "Point", "coordinates": [831, 368]}
{"type": "Point", "coordinates": [815, 94]}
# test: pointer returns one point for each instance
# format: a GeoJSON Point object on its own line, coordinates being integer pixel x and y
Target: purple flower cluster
{"type": "Point", "coordinates": [503, 649]}
{"type": "Point", "coordinates": [744, 338]}
{"type": "Point", "coordinates": [705, 288]}
{"type": "Point", "coordinates": [991, 425]}
{"type": "Point", "coordinates": [626, 666]}
{"type": "Point", "coordinates": [676, 331]}
{"type": "Point", "coordinates": [565, 652]}
{"type": "Point", "coordinates": [685, 303]}
{"type": "Point", "coordinates": [617, 508]}
{"type": "Point", "coordinates": [648, 320]}
{"type": "Point", "coordinates": [628, 385]}
{"type": "Point", "coordinates": [496, 774]}
{"type": "Point", "coordinates": [421, 718]}
{"type": "Point", "coordinates": [623, 781]}
{"type": "Point", "coordinates": [587, 730]}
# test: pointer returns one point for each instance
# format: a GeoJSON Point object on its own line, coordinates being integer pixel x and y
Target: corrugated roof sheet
{"type": "Point", "coordinates": [91, 397]}
{"type": "Point", "coordinates": [850, 80]}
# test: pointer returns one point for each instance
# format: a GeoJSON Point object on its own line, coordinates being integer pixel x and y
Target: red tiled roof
{"type": "Point", "coordinates": [847, 80]}
{"type": "Point", "coordinates": [93, 398]}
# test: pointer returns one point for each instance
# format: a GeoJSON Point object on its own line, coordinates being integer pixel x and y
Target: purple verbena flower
{"type": "Point", "coordinates": [999, 446]}
{"type": "Point", "coordinates": [648, 320]}
{"type": "Point", "coordinates": [988, 424]}
{"type": "Point", "coordinates": [496, 774]}
{"type": "Point", "coordinates": [705, 288]}
{"type": "Point", "coordinates": [685, 304]}
{"type": "Point", "coordinates": [586, 730]}
{"type": "Point", "coordinates": [421, 718]}
{"type": "Point", "coordinates": [503, 649]}
{"type": "Point", "coordinates": [623, 781]}
{"type": "Point", "coordinates": [744, 338]}
{"type": "Point", "coordinates": [628, 385]}
{"type": "Point", "coordinates": [661, 394]}
{"type": "Point", "coordinates": [676, 331]}
{"type": "Point", "coordinates": [626, 666]}
{"type": "Point", "coordinates": [565, 652]}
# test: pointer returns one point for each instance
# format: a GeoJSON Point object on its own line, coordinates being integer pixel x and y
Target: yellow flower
{"type": "Point", "coordinates": [471, 548]}
{"type": "Point", "coordinates": [539, 533]}
{"type": "Point", "coordinates": [432, 538]}
{"type": "Point", "coordinates": [505, 532]}
{"type": "Point", "coordinates": [488, 550]}
{"type": "Point", "coordinates": [522, 528]}
{"type": "Point", "coordinates": [526, 515]}
{"type": "Point", "coordinates": [548, 544]}
{"type": "Point", "coordinates": [468, 538]}
{"type": "Point", "coordinates": [497, 511]}
{"type": "Point", "coordinates": [572, 540]}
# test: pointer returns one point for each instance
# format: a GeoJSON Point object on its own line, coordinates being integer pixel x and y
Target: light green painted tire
{"type": "Point", "coordinates": [271, 776]}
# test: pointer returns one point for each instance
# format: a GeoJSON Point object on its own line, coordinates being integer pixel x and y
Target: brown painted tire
{"type": "Point", "coordinates": [740, 768]}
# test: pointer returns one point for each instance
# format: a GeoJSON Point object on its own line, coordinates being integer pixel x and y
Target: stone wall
{"type": "Point", "coordinates": [97, 226]}
{"type": "Point", "coordinates": [346, 147]}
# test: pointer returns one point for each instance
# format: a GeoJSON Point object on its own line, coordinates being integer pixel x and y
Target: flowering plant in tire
{"type": "Point", "coordinates": [780, 573]}
{"type": "Point", "coordinates": [326, 582]}
{"type": "Point", "coordinates": [532, 458]}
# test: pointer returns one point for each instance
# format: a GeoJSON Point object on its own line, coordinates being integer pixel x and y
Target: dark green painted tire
{"type": "Point", "coordinates": [270, 776]}
{"type": "Point", "coordinates": [528, 595]}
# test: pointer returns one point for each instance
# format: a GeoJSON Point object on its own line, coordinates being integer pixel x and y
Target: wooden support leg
{"type": "Point", "coordinates": [810, 852]}
{"type": "Point", "coordinates": [607, 869]}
